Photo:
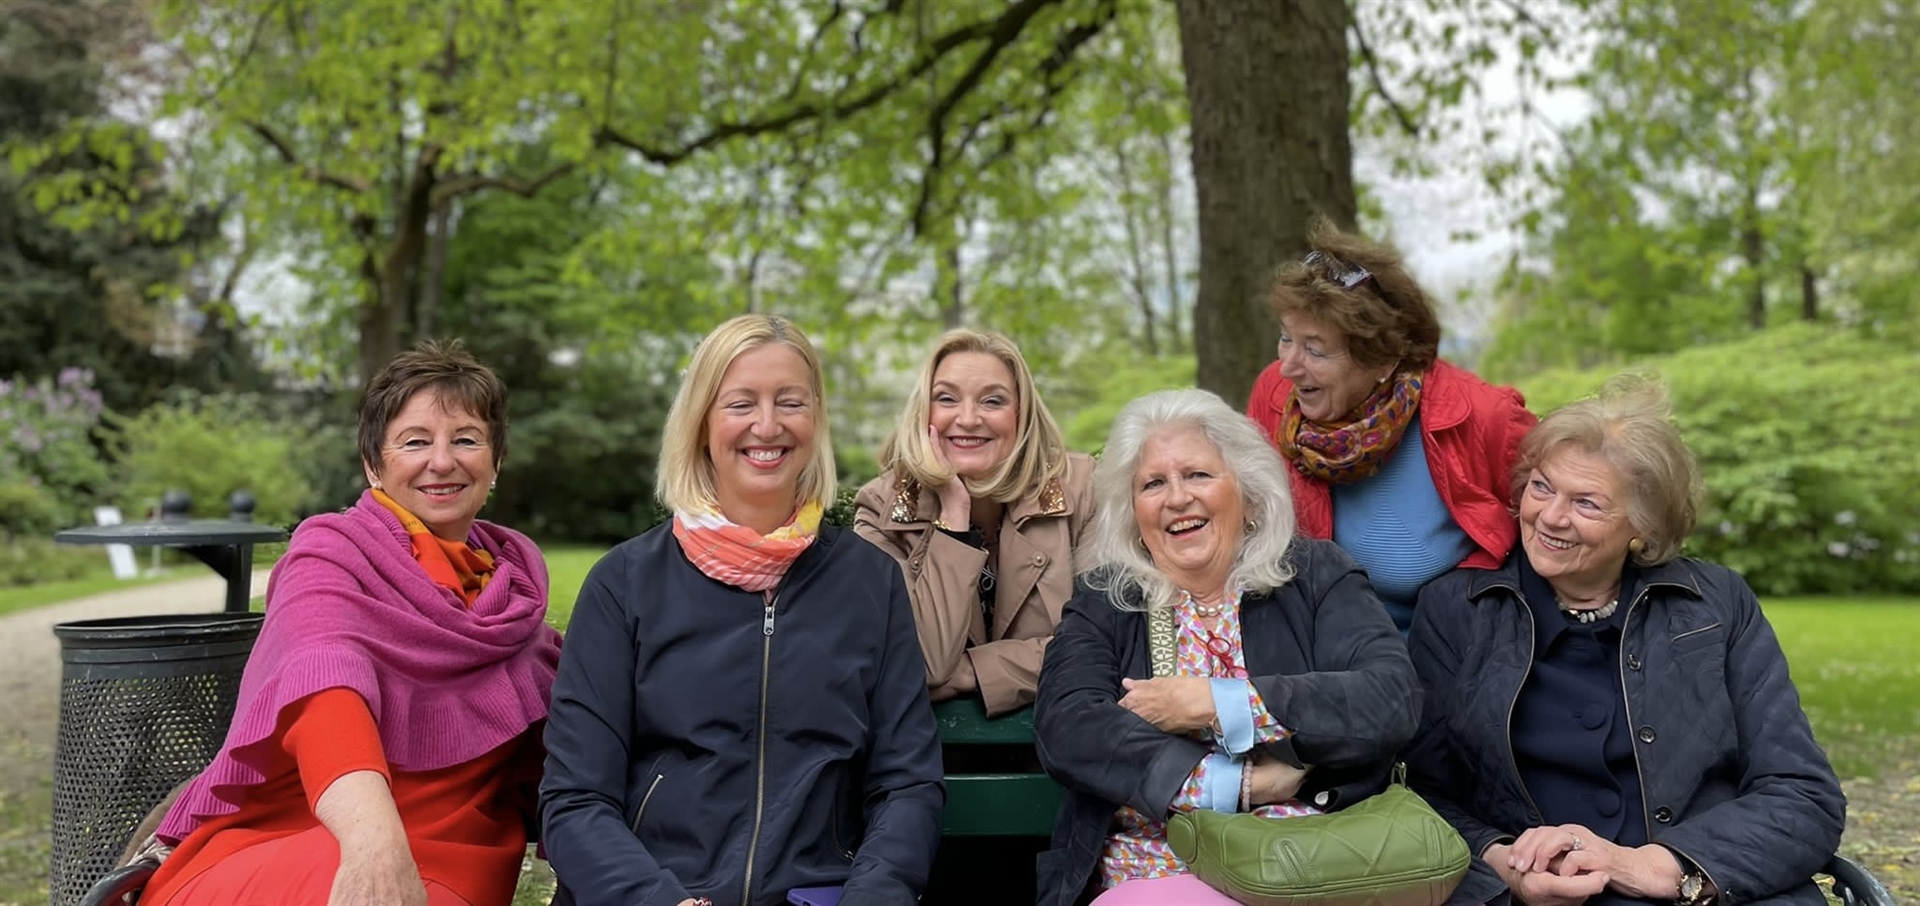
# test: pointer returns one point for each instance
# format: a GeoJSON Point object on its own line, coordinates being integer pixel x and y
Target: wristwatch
{"type": "Point", "coordinates": [1693, 889]}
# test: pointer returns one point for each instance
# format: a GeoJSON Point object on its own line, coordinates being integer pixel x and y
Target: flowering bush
{"type": "Point", "coordinates": [49, 465]}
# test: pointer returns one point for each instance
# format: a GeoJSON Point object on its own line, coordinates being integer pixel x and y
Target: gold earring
{"type": "Point", "coordinates": [1636, 546]}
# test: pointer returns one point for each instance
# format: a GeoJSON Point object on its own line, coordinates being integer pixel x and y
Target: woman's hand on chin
{"type": "Point", "coordinates": [956, 502]}
{"type": "Point", "coordinates": [1173, 704]}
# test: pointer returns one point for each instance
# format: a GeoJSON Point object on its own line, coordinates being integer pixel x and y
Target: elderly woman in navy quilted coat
{"type": "Point", "coordinates": [1607, 722]}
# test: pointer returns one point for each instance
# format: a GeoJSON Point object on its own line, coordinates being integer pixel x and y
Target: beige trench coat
{"type": "Point", "coordinates": [1035, 579]}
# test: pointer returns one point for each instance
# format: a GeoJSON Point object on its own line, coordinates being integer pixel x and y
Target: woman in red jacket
{"type": "Point", "coordinates": [1398, 456]}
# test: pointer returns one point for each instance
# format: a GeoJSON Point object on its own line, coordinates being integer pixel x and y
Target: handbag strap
{"type": "Point", "coordinates": [1162, 641]}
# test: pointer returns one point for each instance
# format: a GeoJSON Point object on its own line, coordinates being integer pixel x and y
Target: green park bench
{"type": "Point", "coordinates": [993, 804]}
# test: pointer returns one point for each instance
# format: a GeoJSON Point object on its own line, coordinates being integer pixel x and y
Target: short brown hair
{"type": "Point", "coordinates": [446, 368]}
{"type": "Point", "coordinates": [1385, 319]}
{"type": "Point", "coordinates": [1629, 425]}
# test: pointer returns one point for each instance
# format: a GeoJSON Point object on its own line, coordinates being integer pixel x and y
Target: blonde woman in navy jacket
{"type": "Point", "coordinates": [740, 708]}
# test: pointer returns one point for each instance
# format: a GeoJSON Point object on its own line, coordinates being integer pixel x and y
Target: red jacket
{"type": "Point", "coordinates": [1472, 431]}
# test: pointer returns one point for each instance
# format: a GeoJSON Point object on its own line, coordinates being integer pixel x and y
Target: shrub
{"type": "Point", "coordinates": [47, 448]}
{"type": "Point", "coordinates": [211, 446]}
{"type": "Point", "coordinates": [28, 510]}
{"type": "Point", "coordinates": [29, 560]}
{"type": "Point", "coordinates": [1807, 453]}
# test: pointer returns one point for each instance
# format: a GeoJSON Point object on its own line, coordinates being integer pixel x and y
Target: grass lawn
{"type": "Point", "coordinates": [567, 568]}
{"type": "Point", "coordinates": [1858, 681]}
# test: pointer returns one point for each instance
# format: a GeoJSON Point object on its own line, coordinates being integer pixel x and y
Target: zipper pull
{"type": "Point", "coordinates": [766, 626]}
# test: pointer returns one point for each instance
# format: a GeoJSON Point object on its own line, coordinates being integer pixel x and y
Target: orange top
{"type": "Point", "coordinates": [464, 829]}
{"type": "Point", "coordinates": [454, 565]}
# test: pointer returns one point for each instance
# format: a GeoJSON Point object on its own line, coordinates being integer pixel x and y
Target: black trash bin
{"type": "Point", "coordinates": [144, 705]}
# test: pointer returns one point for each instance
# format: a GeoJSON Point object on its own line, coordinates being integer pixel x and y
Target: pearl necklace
{"type": "Point", "coordinates": [1204, 611]}
{"type": "Point", "coordinates": [1588, 616]}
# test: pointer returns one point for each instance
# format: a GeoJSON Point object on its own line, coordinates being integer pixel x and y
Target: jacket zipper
{"type": "Point", "coordinates": [760, 763]}
{"type": "Point", "coordinates": [1533, 629]}
{"type": "Point", "coordinates": [1626, 703]}
{"type": "Point", "coordinates": [646, 799]}
{"type": "Point", "coordinates": [841, 847]}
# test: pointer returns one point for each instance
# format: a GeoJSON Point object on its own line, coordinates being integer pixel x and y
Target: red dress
{"type": "Point", "coordinates": [463, 822]}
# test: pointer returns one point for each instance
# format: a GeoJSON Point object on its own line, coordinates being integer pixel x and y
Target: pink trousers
{"type": "Point", "coordinates": [1172, 890]}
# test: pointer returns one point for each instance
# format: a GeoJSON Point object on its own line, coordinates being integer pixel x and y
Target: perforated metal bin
{"type": "Point", "coordinates": [144, 704]}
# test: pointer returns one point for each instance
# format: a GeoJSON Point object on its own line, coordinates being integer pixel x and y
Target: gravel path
{"type": "Point", "coordinates": [30, 664]}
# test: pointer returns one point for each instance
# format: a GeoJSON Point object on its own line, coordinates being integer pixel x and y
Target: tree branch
{"type": "Point", "coordinates": [998, 33]}
{"type": "Point", "coordinates": [1064, 49]}
{"type": "Point", "coordinates": [467, 185]}
{"type": "Point", "coordinates": [1379, 84]}
{"type": "Point", "coordinates": [315, 174]}
{"type": "Point", "coordinates": [813, 48]}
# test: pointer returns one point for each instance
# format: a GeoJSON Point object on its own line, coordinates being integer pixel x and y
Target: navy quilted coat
{"type": "Point", "coordinates": [1731, 776]}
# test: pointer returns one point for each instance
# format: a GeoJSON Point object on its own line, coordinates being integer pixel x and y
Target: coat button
{"type": "Point", "coordinates": [1040, 559]}
{"type": "Point", "coordinates": [1633, 662]}
{"type": "Point", "coordinates": [1322, 799]}
{"type": "Point", "coordinates": [1647, 734]}
{"type": "Point", "coordinates": [1663, 815]}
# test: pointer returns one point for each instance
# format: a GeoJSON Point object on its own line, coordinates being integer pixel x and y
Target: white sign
{"type": "Point", "coordinates": [119, 555]}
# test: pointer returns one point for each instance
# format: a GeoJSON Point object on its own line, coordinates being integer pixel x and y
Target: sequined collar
{"type": "Point", "coordinates": [913, 503]}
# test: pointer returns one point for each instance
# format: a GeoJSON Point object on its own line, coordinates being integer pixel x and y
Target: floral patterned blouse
{"type": "Point", "coordinates": [1137, 848]}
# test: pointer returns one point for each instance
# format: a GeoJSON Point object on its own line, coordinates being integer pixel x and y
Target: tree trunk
{"type": "Point", "coordinates": [1269, 98]}
{"type": "Point", "coordinates": [1753, 246]}
{"type": "Point", "coordinates": [383, 320]}
{"type": "Point", "coordinates": [1170, 262]}
{"type": "Point", "coordinates": [1809, 294]}
{"type": "Point", "coordinates": [1136, 255]}
{"type": "Point", "coordinates": [379, 322]}
{"type": "Point", "coordinates": [426, 320]}
{"type": "Point", "coordinates": [951, 285]}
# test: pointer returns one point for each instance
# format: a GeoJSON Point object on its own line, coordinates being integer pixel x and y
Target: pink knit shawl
{"type": "Point", "coordinates": [348, 607]}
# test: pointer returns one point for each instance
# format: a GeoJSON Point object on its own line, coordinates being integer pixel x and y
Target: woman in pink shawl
{"type": "Point", "coordinates": [386, 745]}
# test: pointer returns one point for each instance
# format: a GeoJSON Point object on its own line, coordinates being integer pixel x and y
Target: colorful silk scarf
{"type": "Point", "coordinates": [739, 556]}
{"type": "Point", "coordinates": [1349, 451]}
{"type": "Point", "coordinates": [453, 565]}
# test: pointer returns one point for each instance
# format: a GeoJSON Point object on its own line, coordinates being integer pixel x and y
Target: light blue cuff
{"type": "Point", "coordinates": [1220, 786]}
{"type": "Point", "coordinates": [1230, 698]}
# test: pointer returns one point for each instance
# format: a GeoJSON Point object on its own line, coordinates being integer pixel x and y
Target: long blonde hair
{"type": "Point", "coordinates": [684, 480]}
{"type": "Point", "coordinates": [1039, 453]}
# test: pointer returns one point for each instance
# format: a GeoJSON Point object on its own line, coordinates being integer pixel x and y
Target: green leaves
{"type": "Point", "coordinates": [1811, 481]}
{"type": "Point", "coordinates": [1746, 164]}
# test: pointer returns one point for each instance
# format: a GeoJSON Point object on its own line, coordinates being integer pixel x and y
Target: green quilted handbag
{"type": "Point", "coordinates": [1387, 850]}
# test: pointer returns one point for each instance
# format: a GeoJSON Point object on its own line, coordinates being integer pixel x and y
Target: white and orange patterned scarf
{"type": "Point", "coordinates": [732, 553]}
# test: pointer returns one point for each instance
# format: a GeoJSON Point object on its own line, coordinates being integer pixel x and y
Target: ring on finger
{"type": "Point", "coordinates": [1578, 844]}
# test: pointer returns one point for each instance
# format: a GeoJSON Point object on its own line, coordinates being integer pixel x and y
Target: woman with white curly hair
{"type": "Point", "coordinates": [1209, 659]}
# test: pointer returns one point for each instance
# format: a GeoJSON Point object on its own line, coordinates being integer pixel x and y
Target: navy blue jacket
{"type": "Point", "coordinates": [1321, 652]}
{"type": "Point", "coordinates": [704, 743]}
{"type": "Point", "coordinates": [1731, 777]}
